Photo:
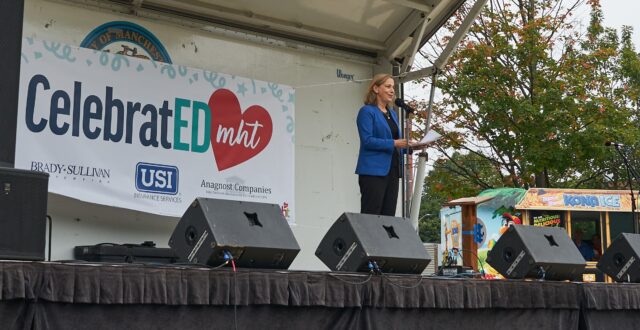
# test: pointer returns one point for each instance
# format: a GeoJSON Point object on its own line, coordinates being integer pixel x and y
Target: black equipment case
{"type": "Point", "coordinates": [129, 253]}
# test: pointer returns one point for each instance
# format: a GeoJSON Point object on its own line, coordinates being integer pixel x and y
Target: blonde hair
{"type": "Point", "coordinates": [379, 79]}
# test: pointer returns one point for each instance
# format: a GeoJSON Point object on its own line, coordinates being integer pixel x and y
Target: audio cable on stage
{"type": "Point", "coordinates": [482, 272]}
{"type": "Point", "coordinates": [374, 265]}
{"type": "Point", "coordinates": [337, 277]}
{"type": "Point", "coordinates": [228, 257]}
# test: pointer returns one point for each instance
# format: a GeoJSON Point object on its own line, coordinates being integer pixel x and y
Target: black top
{"type": "Point", "coordinates": [395, 133]}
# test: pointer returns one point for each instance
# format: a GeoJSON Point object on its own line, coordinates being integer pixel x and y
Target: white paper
{"type": "Point", "coordinates": [428, 138]}
{"type": "Point", "coordinates": [431, 136]}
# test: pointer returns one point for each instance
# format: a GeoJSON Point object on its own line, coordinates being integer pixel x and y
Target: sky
{"type": "Point", "coordinates": [622, 12]}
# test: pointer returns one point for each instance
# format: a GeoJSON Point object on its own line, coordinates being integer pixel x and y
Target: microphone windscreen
{"type": "Point", "coordinates": [607, 143]}
{"type": "Point", "coordinates": [399, 102]}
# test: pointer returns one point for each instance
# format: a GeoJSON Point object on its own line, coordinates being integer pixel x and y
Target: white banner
{"type": "Point", "coordinates": [152, 136]}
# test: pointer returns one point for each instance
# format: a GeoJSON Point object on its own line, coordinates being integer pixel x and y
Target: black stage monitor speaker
{"type": "Point", "coordinates": [621, 260]}
{"type": "Point", "coordinates": [356, 239]}
{"type": "Point", "coordinates": [256, 234]}
{"type": "Point", "coordinates": [23, 214]}
{"type": "Point", "coordinates": [536, 252]}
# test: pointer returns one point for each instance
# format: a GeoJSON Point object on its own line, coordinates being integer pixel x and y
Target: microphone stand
{"type": "Point", "coordinates": [416, 198]}
{"type": "Point", "coordinates": [405, 163]}
{"type": "Point", "coordinates": [634, 215]}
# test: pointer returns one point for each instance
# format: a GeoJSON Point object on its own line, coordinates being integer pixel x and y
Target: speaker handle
{"type": "Point", "coordinates": [253, 219]}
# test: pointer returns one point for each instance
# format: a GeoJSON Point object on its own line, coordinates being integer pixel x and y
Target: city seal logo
{"type": "Point", "coordinates": [126, 38]}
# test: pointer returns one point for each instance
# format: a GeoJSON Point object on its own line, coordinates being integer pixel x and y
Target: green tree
{"type": "Point", "coordinates": [629, 74]}
{"type": "Point", "coordinates": [535, 98]}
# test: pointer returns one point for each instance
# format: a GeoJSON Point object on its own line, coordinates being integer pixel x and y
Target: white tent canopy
{"type": "Point", "coordinates": [382, 31]}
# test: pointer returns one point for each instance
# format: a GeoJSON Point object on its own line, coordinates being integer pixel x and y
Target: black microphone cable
{"type": "Point", "coordinates": [351, 282]}
{"type": "Point", "coordinates": [482, 271]}
{"type": "Point", "coordinates": [413, 286]}
{"type": "Point", "coordinates": [373, 265]}
{"type": "Point", "coordinates": [228, 257]}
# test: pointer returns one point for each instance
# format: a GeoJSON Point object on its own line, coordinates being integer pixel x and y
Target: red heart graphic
{"type": "Point", "coordinates": [237, 136]}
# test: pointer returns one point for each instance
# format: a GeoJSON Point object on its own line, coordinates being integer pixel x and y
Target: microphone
{"type": "Point", "coordinates": [400, 103]}
{"type": "Point", "coordinates": [615, 144]}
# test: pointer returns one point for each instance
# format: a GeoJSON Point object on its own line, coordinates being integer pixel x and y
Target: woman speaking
{"type": "Point", "coordinates": [379, 163]}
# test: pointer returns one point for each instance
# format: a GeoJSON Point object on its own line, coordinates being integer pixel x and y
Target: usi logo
{"type": "Point", "coordinates": [156, 178]}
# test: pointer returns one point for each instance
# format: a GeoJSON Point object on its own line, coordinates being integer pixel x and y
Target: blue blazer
{"type": "Point", "coordinates": [376, 141]}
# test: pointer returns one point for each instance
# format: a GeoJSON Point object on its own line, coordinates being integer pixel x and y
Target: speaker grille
{"type": "Point", "coordinates": [23, 210]}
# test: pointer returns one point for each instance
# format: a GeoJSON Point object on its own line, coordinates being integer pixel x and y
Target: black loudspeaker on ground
{"type": "Point", "coordinates": [23, 212]}
{"type": "Point", "coordinates": [536, 252]}
{"type": "Point", "coordinates": [356, 239]}
{"type": "Point", "coordinates": [256, 234]}
{"type": "Point", "coordinates": [621, 260]}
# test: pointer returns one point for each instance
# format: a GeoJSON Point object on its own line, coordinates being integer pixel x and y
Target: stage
{"type": "Point", "coordinates": [42, 295]}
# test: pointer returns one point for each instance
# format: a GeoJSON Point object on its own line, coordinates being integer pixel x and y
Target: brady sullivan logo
{"type": "Point", "coordinates": [126, 38]}
{"type": "Point", "coordinates": [157, 178]}
{"type": "Point", "coordinates": [73, 171]}
{"type": "Point", "coordinates": [233, 135]}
